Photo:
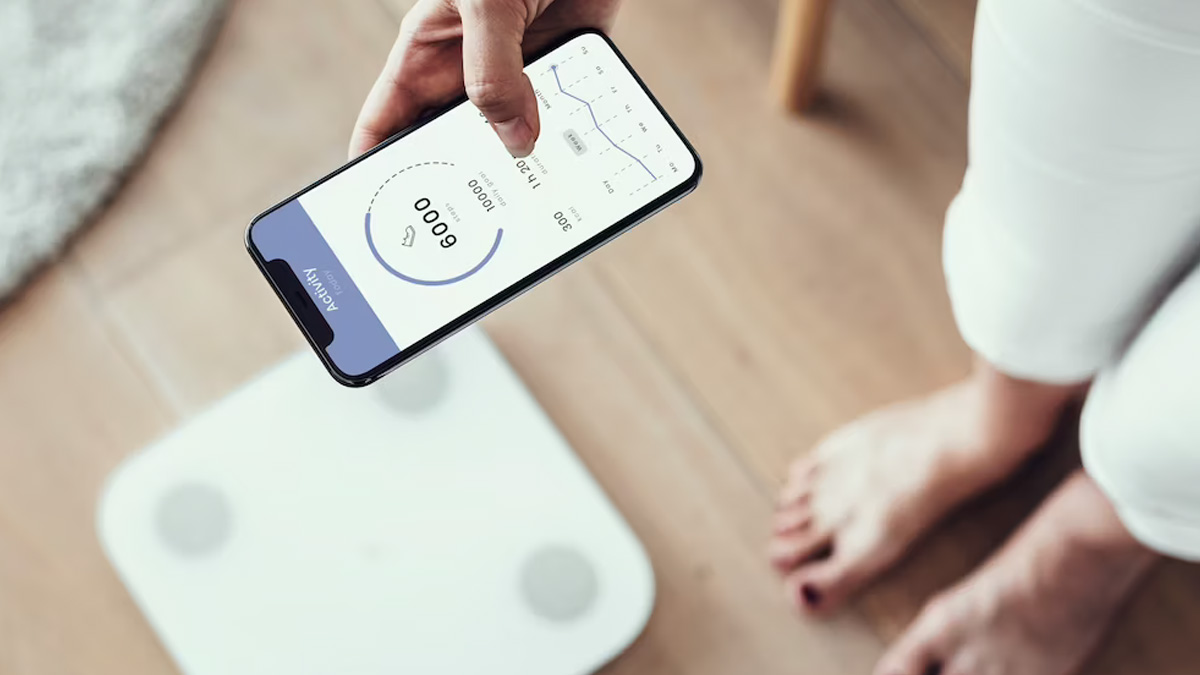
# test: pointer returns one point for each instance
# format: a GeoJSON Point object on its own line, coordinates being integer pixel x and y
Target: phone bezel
{"type": "Point", "coordinates": [505, 295]}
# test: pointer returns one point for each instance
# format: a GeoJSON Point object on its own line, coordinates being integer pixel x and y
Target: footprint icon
{"type": "Point", "coordinates": [410, 236]}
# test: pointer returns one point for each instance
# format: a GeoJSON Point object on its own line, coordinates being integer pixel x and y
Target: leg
{"type": "Point", "coordinates": [1114, 194]}
{"type": "Point", "coordinates": [1141, 428]}
{"type": "Point", "coordinates": [1080, 198]}
{"type": "Point", "coordinates": [869, 491]}
{"type": "Point", "coordinates": [799, 42]}
{"type": "Point", "coordinates": [1041, 605]}
{"type": "Point", "coordinates": [1080, 202]}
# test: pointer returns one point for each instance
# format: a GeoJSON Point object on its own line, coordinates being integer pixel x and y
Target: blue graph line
{"type": "Point", "coordinates": [597, 123]}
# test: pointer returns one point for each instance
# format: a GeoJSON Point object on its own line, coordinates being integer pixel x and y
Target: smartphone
{"type": "Point", "coordinates": [439, 225]}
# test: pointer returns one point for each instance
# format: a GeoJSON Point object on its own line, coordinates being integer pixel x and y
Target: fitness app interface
{"type": "Point", "coordinates": [441, 220]}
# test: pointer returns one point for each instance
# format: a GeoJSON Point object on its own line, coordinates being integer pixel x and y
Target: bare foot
{"type": "Point", "coordinates": [866, 493]}
{"type": "Point", "coordinates": [1039, 606]}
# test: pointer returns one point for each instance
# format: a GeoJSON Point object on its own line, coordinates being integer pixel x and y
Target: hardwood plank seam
{"type": "Point", "coordinates": [120, 335]}
{"type": "Point", "coordinates": [688, 389]}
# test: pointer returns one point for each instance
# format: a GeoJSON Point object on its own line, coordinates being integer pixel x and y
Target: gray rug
{"type": "Point", "coordinates": [83, 85]}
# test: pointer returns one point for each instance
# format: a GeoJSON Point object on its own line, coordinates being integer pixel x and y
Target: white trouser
{"type": "Point", "coordinates": [1079, 211]}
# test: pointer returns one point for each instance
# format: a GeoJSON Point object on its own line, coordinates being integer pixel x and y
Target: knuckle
{"type": "Point", "coordinates": [521, 11]}
{"type": "Point", "coordinates": [489, 95]}
{"type": "Point", "coordinates": [413, 19]}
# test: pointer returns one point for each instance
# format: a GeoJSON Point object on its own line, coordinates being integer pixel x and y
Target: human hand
{"type": "Point", "coordinates": [445, 46]}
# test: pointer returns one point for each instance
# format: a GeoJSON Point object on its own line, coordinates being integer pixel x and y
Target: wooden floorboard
{"type": "Point", "coordinates": [71, 405]}
{"type": "Point", "coordinates": [702, 517]}
{"type": "Point", "coordinates": [687, 363]}
{"type": "Point", "coordinates": [948, 28]}
{"type": "Point", "coordinates": [270, 111]}
{"type": "Point", "coordinates": [801, 285]}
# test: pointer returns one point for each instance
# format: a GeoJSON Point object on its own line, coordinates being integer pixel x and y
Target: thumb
{"type": "Point", "coordinates": [493, 70]}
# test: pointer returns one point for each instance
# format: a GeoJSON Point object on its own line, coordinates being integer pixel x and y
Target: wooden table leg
{"type": "Point", "coordinates": [799, 41]}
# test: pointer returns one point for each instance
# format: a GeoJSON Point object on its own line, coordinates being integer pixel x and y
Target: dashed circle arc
{"type": "Point", "coordinates": [405, 277]}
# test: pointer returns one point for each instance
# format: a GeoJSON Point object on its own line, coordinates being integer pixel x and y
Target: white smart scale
{"type": "Point", "coordinates": [435, 522]}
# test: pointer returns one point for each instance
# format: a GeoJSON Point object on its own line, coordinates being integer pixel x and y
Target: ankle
{"type": "Point", "coordinates": [1084, 553]}
{"type": "Point", "coordinates": [1019, 414]}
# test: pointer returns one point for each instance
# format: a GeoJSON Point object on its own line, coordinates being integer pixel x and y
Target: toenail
{"type": "Point", "coordinates": [812, 597]}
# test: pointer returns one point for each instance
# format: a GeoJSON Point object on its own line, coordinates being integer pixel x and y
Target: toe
{"type": "Point", "coordinates": [792, 518]}
{"type": "Point", "coordinates": [910, 663]}
{"type": "Point", "coordinates": [794, 491]}
{"type": "Point", "coordinates": [788, 550]}
{"type": "Point", "coordinates": [821, 586]}
{"type": "Point", "coordinates": [803, 467]}
{"type": "Point", "coordinates": [799, 481]}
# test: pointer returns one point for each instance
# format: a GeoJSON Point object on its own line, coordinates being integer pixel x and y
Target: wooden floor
{"type": "Point", "coordinates": [687, 362]}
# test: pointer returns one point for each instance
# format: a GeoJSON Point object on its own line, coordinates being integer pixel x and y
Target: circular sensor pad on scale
{"type": "Point", "coordinates": [559, 583]}
{"type": "Point", "coordinates": [193, 520]}
{"type": "Point", "coordinates": [430, 224]}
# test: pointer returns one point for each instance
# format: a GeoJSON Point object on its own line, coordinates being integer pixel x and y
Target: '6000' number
{"type": "Point", "coordinates": [432, 217]}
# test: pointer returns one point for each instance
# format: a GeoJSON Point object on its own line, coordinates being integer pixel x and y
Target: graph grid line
{"type": "Point", "coordinates": [596, 122]}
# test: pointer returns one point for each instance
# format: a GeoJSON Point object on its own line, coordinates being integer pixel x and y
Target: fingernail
{"type": "Point", "coordinates": [812, 597]}
{"type": "Point", "coordinates": [516, 136]}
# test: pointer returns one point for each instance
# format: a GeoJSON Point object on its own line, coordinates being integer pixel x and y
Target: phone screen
{"type": "Point", "coordinates": [438, 226]}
